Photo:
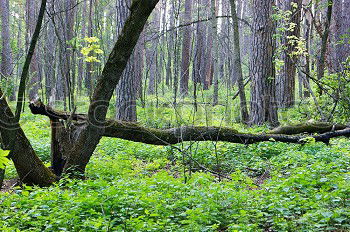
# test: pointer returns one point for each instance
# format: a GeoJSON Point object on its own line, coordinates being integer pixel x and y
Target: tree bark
{"type": "Point", "coordinates": [125, 91]}
{"type": "Point", "coordinates": [263, 89]}
{"type": "Point", "coordinates": [152, 57]}
{"type": "Point", "coordinates": [313, 127]}
{"type": "Point", "coordinates": [29, 167]}
{"type": "Point", "coordinates": [237, 66]}
{"type": "Point", "coordinates": [81, 71]}
{"type": "Point", "coordinates": [215, 52]}
{"type": "Point", "coordinates": [324, 40]}
{"type": "Point", "coordinates": [50, 64]}
{"type": "Point", "coordinates": [286, 81]}
{"type": "Point", "coordinates": [341, 14]}
{"type": "Point", "coordinates": [30, 21]}
{"type": "Point", "coordinates": [186, 47]}
{"type": "Point", "coordinates": [6, 53]}
{"type": "Point", "coordinates": [305, 80]}
{"type": "Point", "coordinates": [89, 66]}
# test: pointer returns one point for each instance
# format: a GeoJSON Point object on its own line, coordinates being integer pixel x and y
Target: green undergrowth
{"type": "Point", "coordinates": [137, 187]}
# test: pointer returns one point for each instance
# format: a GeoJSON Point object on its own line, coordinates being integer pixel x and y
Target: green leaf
{"type": "Point", "coordinates": [3, 158]}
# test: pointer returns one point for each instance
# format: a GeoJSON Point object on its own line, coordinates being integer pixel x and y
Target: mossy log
{"type": "Point", "coordinates": [137, 133]}
{"type": "Point", "coordinates": [308, 127]}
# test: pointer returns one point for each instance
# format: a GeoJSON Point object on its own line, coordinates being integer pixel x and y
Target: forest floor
{"type": "Point", "coordinates": [131, 186]}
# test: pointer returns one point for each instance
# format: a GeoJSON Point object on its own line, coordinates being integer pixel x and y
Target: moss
{"type": "Point", "coordinates": [308, 127]}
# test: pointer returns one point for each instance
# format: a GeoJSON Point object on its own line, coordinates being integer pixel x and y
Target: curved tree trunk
{"type": "Point", "coordinates": [29, 167]}
{"type": "Point", "coordinates": [91, 133]}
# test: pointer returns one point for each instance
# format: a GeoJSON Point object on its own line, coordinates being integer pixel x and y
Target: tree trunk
{"type": "Point", "coordinates": [91, 133]}
{"type": "Point", "coordinates": [81, 71]}
{"type": "Point", "coordinates": [139, 55]}
{"type": "Point", "coordinates": [207, 60]}
{"type": "Point", "coordinates": [263, 89]}
{"type": "Point", "coordinates": [186, 47]}
{"type": "Point", "coordinates": [125, 91]}
{"type": "Point", "coordinates": [215, 52]}
{"type": "Point", "coordinates": [286, 82]}
{"type": "Point", "coordinates": [34, 70]}
{"type": "Point", "coordinates": [345, 51]}
{"type": "Point", "coordinates": [50, 64]}
{"type": "Point", "coordinates": [306, 82]}
{"type": "Point", "coordinates": [237, 66]}
{"type": "Point", "coordinates": [324, 40]}
{"type": "Point", "coordinates": [29, 167]}
{"type": "Point", "coordinates": [89, 68]}
{"type": "Point", "coordinates": [152, 56]}
{"type": "Point", "coordinates": [198, 66]}
{"type": "Point", "coordinates": [341, 14]}
{"type": "Point", "coordinates": [6, 53]}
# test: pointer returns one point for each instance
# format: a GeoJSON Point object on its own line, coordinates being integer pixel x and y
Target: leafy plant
{"type": "Point", "coordinates": [3, 158]}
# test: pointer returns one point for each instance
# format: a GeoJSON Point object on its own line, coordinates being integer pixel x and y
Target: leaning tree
{"type": "Point", "coordinates": [29, 167]}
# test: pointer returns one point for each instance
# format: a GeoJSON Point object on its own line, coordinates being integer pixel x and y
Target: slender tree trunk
{"type": "Point", "coordinates": [152, 56]}
{"type": "Point", "coordinates": [6, 53]}
{"type": "Point", "coordinates": [306, 82]}
{"type": "Point", "coordinates": [286, 82]}
{"type": "Point", "coordinates": [125, 91]}
{"type": "Point", "coordinates": [170, 44]}
{"type": "Point", "coordinates": [321, 64]}
{"type": "Point", "coordinates": [50, 64]}
{"type": "Point", "coordinates": [81, 71]}
{"type": "Point", "coordinates": [34, 71]}
{"type": "Point", "coordinates": [176, 50]}
{"type": "Point", "coordinates": [197, 61]}
{"type": "Point", "coordinates": [215, 53]}
{"type": "Point", "coordinates": [88, 76]}
{"type": "Point", "coordinates": [207, 60]}
{"type": "Point", "coordinates": [186, 47]}
{"type": "Point", "coordinates": [237, 68]}
{"type": "Point", "coordinates": [69, 49]}
{"type": "Point", "coordinates": [139, 55]}
{"type": "Point", "coordinates": [263, 89]}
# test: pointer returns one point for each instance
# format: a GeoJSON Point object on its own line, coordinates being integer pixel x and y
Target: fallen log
{"type": "Point", "coordinates": [308, 127]}
{"type": "Point", "coordinates": [137, 133]}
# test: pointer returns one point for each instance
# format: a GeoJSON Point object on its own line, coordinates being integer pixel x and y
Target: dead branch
{"type": "Point", "coordinates": [137, 133]}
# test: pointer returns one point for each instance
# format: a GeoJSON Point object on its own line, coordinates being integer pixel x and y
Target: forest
{"type": "Point", "coordinates": [181, 115]}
